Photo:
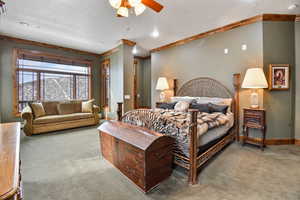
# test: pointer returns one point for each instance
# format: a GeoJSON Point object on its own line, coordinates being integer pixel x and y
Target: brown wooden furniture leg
{"type": "Point", "coordinates": [193, 148]}
{"type": "Point", "coordinates": [120, 111]}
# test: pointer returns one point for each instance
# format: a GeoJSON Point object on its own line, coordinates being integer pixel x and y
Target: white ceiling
{"type": "Point", "coordinates": [92, 25]}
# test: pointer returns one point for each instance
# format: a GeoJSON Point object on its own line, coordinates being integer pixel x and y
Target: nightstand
{"type": "Point", "coordinates": [254, 119]}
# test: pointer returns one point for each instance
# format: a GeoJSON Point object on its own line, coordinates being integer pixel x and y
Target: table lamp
{"type": "Point", "coordinates": [162, 84]}
{"type": "Point", "coordinates": [254, 79]}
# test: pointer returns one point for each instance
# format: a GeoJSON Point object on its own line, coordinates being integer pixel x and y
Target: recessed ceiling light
{"type": "Point", "coordinates": [155, 33]}
{"type": "Point", "coordinates": [293, 6]}
{"type": "Point", "coordinates": [244, 47]}
{"type": "Point", "coordinates": [226, 51]}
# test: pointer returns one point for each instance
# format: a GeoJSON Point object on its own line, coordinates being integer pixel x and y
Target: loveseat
{"type": "Point", "coordinates": [53, 116]}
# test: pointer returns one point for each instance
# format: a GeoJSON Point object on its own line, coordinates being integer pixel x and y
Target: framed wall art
{"type": "Point", "coordinates": [279, 76]}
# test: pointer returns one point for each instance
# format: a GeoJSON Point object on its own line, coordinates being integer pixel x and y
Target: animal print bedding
{"type": "Point", "coordinates": [175, 124]}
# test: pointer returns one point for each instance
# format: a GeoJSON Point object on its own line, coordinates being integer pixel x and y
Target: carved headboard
{"type": "Point", "coordinates": [204, 87]}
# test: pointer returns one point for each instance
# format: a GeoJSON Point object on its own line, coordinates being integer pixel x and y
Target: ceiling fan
{"type": "Point", "coordinates": [139, 6]}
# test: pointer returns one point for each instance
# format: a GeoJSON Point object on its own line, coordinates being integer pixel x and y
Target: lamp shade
{"type": "Point", "coordinates": [255, 78]}
{"type": "Point", "coordinates": [162, 84]}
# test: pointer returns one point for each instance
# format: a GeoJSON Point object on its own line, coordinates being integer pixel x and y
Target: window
{"type": "Point", "coordinates": [43, 77]}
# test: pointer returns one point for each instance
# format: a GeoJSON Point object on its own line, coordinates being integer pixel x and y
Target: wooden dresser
{"type": "Point", "coordinates": [144, 156]}
{"type": "Point", "coordinates": [10, 176]}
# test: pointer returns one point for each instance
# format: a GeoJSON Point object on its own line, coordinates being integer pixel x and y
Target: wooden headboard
{"type": "Point", "coordinates": [204, 87]}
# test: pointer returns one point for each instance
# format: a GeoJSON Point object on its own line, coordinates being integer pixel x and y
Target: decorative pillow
{"type": "Point", "coordinates": [87, 106]}
{"type": "Point", "coordinates": [37, 109]}
{"type": "Point", "coordinates": [217, 108]}
{"type": "Point", "coordinates": [77, 106]}
{"type": "Point", "coordinates": [50, 107]}
{"type": "Point", "coordinates": [65, 108]}
{"type": "Point", "coordinates": [182, 106]}
{"type": "Point", "coordinates": [200, 107]}
{"type": "Point", "coordinates": [166, 105]}
{"type": "Point", "coordinates": [215, 100]}
{"type": "Point", "coordinates": [185, 98]}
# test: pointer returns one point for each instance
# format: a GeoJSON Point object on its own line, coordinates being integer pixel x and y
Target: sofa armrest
{"type": "Point", "coordinates": [26, 114]}
{"type": "Point", "coordinates": [96, 109]}
{"type": "Point", "coordinates": [28, 117]}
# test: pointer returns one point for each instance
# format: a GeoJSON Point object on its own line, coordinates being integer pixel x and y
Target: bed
{"type": "Point", "coordinates": [193, 147]}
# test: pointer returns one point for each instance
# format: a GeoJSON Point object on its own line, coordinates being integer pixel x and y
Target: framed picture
{"type": "Point", "coordinates": [279, 77]}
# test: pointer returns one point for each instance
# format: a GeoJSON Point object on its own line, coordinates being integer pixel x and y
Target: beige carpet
{"type": "Point", "coordinates": [67, 166]}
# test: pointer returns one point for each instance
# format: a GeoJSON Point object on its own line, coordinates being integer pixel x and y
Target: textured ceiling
{"type": "Point", "coordinates": [91, 25]}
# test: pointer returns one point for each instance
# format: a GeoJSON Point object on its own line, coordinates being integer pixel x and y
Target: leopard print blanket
{"type": "Point", "coordinates": [175, 124]}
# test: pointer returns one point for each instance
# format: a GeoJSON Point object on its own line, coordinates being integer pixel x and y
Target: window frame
{"type": "Point", "coordinates": [15, 70]}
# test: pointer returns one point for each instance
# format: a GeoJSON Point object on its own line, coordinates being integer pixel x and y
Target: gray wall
{"type": "Point", "coordinates": [297, 110]}
{"type": "Point", "coordinates": [268, 42]}
{"type": "Point", "coordinates": [205, 58]}
{"type": "Point", "coordinates": [6, 81]}
{"type": "Point", "coordinates": [144, 82]}
{"type": "Point", "coordinates": [279, 48]}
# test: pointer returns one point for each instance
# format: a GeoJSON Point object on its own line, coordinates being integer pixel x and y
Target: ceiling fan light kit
{"type": "Point", "coordinates": [139, 9]}
{"type": "Point", "coordinates": [123, 11]}
{"type": "Point", "coordinates": [139, 6]}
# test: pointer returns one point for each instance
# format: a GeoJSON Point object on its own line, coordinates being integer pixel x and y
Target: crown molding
{"type": "Point", "coordinates": [128, 42]}
{"type": "Point", "coordinates": [110, 52]}
{"type": "Point", "coordinates": [142, 57]}
{"type": "Point", "coordinates": [278, 17]}
{"type": "Point", "coordinates": [251, 20]}
{"type": "Point", "coordinates": [116, 49]}
{"type": "Point", "coordinates": [41, 44]}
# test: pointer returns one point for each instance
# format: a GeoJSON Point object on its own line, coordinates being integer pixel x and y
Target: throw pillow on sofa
{"type": "Point", "coordinates": [37, 109]}
{"type": "Point", "coordinates": [87, 106]}
{"type": "Point", "coordinates": [65, 108]}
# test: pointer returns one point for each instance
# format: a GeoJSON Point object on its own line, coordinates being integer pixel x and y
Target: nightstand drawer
{"type": "Point", "coordinates": [256, 115]}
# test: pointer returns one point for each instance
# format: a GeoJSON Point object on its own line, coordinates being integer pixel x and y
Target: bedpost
{"type": "Point", "coordinates": [120, 111]}
{"type": "Point", "coordinates": [237, 85]}
{"type": "Point", "coordinates": [175, 87]}
{"type": "Point", "coordinates": [193, 148]}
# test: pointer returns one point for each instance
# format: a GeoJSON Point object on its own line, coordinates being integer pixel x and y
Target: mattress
{"type": "Point", "coordinates": [216, 133]}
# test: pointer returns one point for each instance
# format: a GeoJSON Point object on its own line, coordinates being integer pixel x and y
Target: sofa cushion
{"type": "Point", "coordinates": [61, 118]}
{"type": "Point", "coordinates": [69, 107]}
{"type": "Point", "coordinates": [87, 106]}
{"type": "Point", "coordinates": [51, 107]}
{"type": "Point", "coordinates": [37, 109]}
{"type": "Point", "coordinates": [77, 106]}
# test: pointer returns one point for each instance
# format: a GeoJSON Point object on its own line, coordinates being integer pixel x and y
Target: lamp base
{"type": "Point", "coordinates": [254, 99]}
{"type": "Point", "coordinates": [162, 97]}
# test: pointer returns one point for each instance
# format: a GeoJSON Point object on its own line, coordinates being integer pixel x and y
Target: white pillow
{"type": "Point", "coordinates": [182, 106]}
{"type": "Point", "coordinates": [185, 98]}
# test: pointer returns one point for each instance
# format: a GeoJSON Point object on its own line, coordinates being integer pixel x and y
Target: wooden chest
{"type": "Point", "coordinates": [144, 156]}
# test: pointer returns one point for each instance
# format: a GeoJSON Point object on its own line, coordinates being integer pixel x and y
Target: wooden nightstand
{"type": "Point", "coordinates": [256, 119]}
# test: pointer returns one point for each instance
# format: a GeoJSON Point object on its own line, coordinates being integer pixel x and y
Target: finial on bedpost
{"type": "Point", "coordinates": [237, 86]}
{"type": "Point", "coordinates": [120, 110]}
{"type": "Point", "coordinates": [175, 87]}
{"type": "Point", "coordinates": [193, 147]}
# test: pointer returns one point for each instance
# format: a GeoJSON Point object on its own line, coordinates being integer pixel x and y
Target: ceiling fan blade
{"type": "Point", "coordinates": [153, 5]}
